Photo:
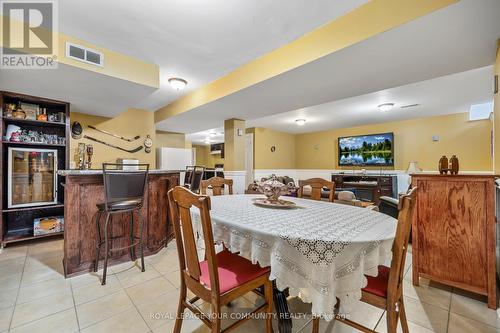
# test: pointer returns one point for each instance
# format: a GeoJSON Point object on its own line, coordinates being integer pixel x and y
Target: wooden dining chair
{"type": "Point", "coordinates": [385, 291]}
{"type": "Point", "coordinates": [317, 185]}
{"type": "Point", "coordinates": [217, 185]}
{"type": "Point", "coordinates": [220, 278]}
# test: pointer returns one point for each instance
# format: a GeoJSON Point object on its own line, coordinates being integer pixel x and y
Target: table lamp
{"type": "Point", "coordinates": [412, 168]}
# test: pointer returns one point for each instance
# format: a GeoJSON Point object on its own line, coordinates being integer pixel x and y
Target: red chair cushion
{"type": "Point", "coordinates": [233, 270]}
{"type": "Point", "coordinates": [378, 285]}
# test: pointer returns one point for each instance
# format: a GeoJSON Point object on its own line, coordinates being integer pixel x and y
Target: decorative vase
{"type": "Point", "coordinates": [443, 165]}
{"type": "Point", "coordinates": [454, 166]}
{"type": "Point", "coordinates": [272, 188]}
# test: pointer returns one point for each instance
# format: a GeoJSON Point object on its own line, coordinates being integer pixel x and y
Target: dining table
{"type": "Point", "coordinates": [318, 251]}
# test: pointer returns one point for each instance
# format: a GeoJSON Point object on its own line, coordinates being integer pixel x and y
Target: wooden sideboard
{"type": "Point", "coordinates": [454, 232]}
{"type": "Point", "coordinates": [368, 187]}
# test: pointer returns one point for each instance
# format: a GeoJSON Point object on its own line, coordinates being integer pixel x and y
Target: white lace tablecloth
{"type": "Point", "coordinates": [319, 250]}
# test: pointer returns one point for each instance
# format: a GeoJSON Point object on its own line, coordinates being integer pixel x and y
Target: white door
{"type": "Point", "coordinates": [249, 159]}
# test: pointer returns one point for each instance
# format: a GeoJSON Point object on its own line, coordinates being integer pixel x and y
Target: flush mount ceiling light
{"type": "Point", "coordinates": [207, 140]}
{"type": "Point", "coordinates": [177, 83]}
{"type": "Point", "coordinates": [386, 107]}
{"type": "Point", "coordinates": [300, 122]}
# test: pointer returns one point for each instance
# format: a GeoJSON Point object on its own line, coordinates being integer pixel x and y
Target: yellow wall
{"type": "Point", "coordinates": [496, 166]}
{"type": "Point", "coordinates": [284, 155]}
{"type": "Point", "coordinates": [128, 124]}
{"type": "Point", "coordinates": [234, 145]}
{"type": "Point", "coordinates": [204, 158]}
{"type": "Point", "coordinates": [470, 141]}
{"type": "Point", "coordinates": [170, 139]}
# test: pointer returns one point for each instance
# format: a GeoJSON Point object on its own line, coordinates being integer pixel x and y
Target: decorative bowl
{"type": "Point", "coordinates": [272, 188]}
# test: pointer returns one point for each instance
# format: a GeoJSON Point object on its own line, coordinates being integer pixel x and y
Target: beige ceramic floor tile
{"type": "Point", "coordinates": [102, 308]}
{"type": "Point", "coordinates": [42, 289]}
{"type": "Point", "coordinates": [169, 262]}
{"type": "Point", "coordinates": [474, 309]}
{"type": "Point", "coordinates": [174, 278]}
{"type": "Point", "coordinates": [134, 276]}
{"type": "Point", "coordinates": [330, 327]}
{"type": "Point", "coordinates": [61, 322]}
{"type": "Point", "coordinates": [412, 327]}
{"type": "Point", "coordinates": [428, 294]}
{"type": "Point", "coordinates": [11, 266]}
{"type": "Point", "coordinates": [428, 316]}
{"type": "Point", "coordinates": [160, 309]}
{"type": "Point", "coordinates": [95, 290]}
{"type": "Point", "coordinates": [39, 275]}
{"type": "Point", "coordinates": [52, 263]}
{"type": "Point", "coordinates": [143, 292]}
{"type": "Point", "coordinates": [10, 282]}
{"type": "Point", "coordinates": [13, 251]}
{"type": "Point", "coordinates": [85, 279]}
{"type": "Point", "coordinates": [459, 324]}
{"type": "Point", "coordinates": [40, 308]}
{"type": "Point", "coordinates": [188, 326]}
{"type": "Point", "coordinates": [8, 298]}
{"type": "Point", "coordinates": [5, 317]}
{"type": "Point", "coordinates": [129, 321]}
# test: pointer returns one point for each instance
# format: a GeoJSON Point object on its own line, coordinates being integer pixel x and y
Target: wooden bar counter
{"type": "Point", "coordinates": [83, 189]}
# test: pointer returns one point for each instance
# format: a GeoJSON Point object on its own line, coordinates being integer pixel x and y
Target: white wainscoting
{"type": "Point", "coordinates": [239, 178]}
{"type": "Point", "coordinates": [296, 174]}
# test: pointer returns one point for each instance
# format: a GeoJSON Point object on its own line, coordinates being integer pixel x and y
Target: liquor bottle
{"type": "Point", "coordinates": [43, 115]}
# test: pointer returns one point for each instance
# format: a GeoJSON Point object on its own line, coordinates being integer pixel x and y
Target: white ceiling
{"type": "Point", "coordinates": [197, 40]}
{"type": "Point", "coordinates": [216, 135]}
{"type": "Point", "coordinates": [445, 95]}
{"type": "Point", "coordinates": [458, 38]}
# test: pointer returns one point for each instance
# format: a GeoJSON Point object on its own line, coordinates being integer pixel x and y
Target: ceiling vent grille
{"type": "Point", "coordinates": [80, 53]}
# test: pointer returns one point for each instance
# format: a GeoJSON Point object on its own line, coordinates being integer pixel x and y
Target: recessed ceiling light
{"type": "Point", "coordinates": [207, 140]}
{"type": "Point", "coordinates": [300, 122]}
{"type": "Point", "coordinates": [213, 134]}
{"type": "Point", "coordinates": [177, 83]}
{"type": "Point", "coordinates": [386, 107]}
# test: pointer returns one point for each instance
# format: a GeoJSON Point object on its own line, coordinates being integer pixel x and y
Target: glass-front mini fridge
{"type": "Point", "coordinates": [32, 177]}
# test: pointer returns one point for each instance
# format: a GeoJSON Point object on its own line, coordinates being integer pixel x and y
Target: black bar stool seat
{"type": "Point", "coordinates": [124, 193]}
{"type": "Point", "coordinates": [121, 205]}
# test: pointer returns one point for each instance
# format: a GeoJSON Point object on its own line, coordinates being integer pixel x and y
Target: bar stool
{"type": "Point", "coordinates": [124, 193]}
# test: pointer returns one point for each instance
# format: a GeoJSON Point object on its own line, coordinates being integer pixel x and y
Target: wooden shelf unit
{"type": "Point", "coordinates": [16, 224]}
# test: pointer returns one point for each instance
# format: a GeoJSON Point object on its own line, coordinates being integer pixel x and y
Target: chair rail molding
{"type": "Point", "coordinates": [239, 179]}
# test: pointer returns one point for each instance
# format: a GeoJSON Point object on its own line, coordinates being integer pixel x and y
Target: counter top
{"type": "Point", "coordinates": [77, 172]}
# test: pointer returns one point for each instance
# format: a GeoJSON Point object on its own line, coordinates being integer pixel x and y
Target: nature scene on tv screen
{"type": "Point", "coordinates": [374, 150]}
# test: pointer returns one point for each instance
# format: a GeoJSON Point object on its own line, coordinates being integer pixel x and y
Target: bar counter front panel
{"type": "Point", "coordinates": [83, 190]}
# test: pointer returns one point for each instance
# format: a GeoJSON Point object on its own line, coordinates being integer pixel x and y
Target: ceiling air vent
{"type": "Point", "coordinates": [84, 54]}
{"type": "Point", "coordinates": [409, 106]}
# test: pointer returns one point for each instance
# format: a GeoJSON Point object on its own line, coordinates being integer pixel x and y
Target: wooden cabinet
{"type": "Point", "coordinates": [368, 187]}
{"type": "Point", "coordinates": [454, 232]}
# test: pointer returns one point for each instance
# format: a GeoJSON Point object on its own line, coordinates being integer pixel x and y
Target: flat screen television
{"type": "Point", "coordinates": [367, 150]}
